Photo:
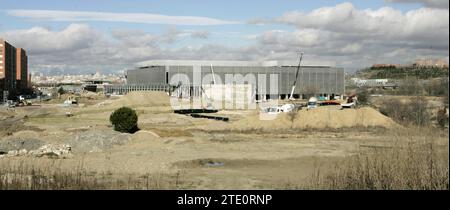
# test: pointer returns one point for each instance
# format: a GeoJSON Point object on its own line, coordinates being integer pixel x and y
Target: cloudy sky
{"type": "Point", "coordinates": [84, 36]}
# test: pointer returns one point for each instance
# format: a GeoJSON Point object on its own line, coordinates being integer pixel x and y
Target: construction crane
{"type": "Point", "coordinates": [291, 97]}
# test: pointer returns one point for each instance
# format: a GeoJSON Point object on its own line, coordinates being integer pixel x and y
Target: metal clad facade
{"type": "Point", "coordinates": [150, 75]}
{"type": "Point", "coordinates": [321, 80]}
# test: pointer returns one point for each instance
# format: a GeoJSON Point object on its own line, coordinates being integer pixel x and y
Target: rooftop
{"type": "Point", "coordinates": [221, 63]}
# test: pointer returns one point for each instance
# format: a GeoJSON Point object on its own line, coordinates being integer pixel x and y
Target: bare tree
{"type": "Point", "coordinates": [292, 115]}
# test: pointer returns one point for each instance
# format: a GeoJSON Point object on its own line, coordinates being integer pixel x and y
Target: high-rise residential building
{"type": "Point", "coordinates": [21, 69]}
{"type": "Point", "coordinates": [14, 77]}
{"type": "Point", "coordinates": [7, 69]}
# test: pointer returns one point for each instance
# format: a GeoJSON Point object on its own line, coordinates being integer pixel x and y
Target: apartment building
{"type": "Point", "coordinates": [14, 77]}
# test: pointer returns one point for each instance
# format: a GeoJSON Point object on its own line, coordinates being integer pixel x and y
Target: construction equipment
{"type": "Point", "coordinates": [312, 103]}
{"type": "Point", "coordinates": [291, 97]}
{"type": "Point", "coordinates": [70, 100]}
{"type": "Point", "coordinates": [351, 102]}
{"type": "Point", "coordinates": [278, 109]}
{"type": "Point", "coordinates": [23, 101]}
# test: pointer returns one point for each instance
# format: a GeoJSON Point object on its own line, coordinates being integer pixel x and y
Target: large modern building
{"type": "Point", "coordinates": [14, 77]}
{"type": "Point", "coordinates": [268, 79]}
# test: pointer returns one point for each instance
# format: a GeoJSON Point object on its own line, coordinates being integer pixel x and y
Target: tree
{"type": "Point", "coordinates": [363, 96]}
{"type": "Point", "coordinates": [61, 90]}
{"type": "Point", "coordinates": [410, 86]}
{"type": "Point", "coordinates": [292, 115]}
{"type": "Point", "coordinates": [124, 120]}
{"type": "Point", "coordinates": [418, 111]}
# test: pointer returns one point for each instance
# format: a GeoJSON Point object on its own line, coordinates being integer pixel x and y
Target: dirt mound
{"type": "Point", "coordinates": [322, 117]}
{"type": "Point", "coordinates": [26, 134]}
{"type": "Point", "coordinates": [143, 98]}
{"type": "Point", "coordinates": [146, 135]}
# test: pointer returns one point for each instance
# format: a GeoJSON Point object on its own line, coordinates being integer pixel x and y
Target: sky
{"type": "Point", "coordinates": [86, 36]}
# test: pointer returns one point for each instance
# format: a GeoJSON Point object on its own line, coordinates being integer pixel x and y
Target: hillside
{"type": "Point", "coordinates": [401, 73]}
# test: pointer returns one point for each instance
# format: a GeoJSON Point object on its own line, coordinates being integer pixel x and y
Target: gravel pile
{"type": "Point", "coordinates": [96, 140]}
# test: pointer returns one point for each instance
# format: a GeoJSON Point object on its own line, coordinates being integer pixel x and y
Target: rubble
{"type": "Point", "coordinates": [18, 143]}
{"type": "Point", "coordinates": [96, 141]}
{"type": "Point", "coordinates": [52, 150]}
{"type": "Point", "coordinates": [48, 150]}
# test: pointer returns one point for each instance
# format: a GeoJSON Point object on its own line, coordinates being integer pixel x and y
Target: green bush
{"type": "Point", "coordinates": [61, 90]}
{"type": "Point", "coordinates": [124, 120]}
{"type": "Point", "coordinates": [363, 96]}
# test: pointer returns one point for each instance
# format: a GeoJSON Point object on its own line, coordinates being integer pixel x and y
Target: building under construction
{"type": "Point", "coordinates": [267, 80]}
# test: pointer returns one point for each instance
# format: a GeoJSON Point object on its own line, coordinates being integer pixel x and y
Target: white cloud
{"type": "Point", "coordinates": [342, 34]}
{"type": "Point", "coordinates": [59, 15]}
{"type": "Point", "coordinates": [200, 34]}
{"type": "Point", "coordinates": [42, 40]}
{"type": "Point", "coordinates": [429, 3]}
{"type": "Point", "coordinates": [134, 38]}
{"type": "Point", "coordinates": [424, 23]}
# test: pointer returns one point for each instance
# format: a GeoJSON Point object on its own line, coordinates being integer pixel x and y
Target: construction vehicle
{"type": "Point", "coordinates": [291, 97]}
{"type": "Point", "coordinates": [70, 100]}
{"type": "Point", "coordinates": [23, 101]}
{"type": "Point", "coordinates": [351, 102]}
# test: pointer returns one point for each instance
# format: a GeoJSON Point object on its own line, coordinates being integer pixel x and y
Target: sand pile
{"type": "Point", "coordinates": [143, 98]}
{"type": "Point", "coordinates": [322, 117]}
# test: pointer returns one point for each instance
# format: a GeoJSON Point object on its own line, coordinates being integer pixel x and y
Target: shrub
{"type": "Point", "coordinates": [394, 109]}
{"type": "Point", "coordinates": [363, 96]}
{"type": "Point", "coordinates": [410, 86]}
{"type": "Point", "coordinates": [61, 90]}
{"type": "Point", "coordinates": [442, 118]}
{"type": "Point", "coordinates": [124, 120]}
{"type": "Point", "coordinates": [418, 111]}
{"type": "Point", "coordinates": [414, 112]}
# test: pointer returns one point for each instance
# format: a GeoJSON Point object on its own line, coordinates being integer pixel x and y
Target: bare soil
{"type": "Point", "coordinates": [245, 153]}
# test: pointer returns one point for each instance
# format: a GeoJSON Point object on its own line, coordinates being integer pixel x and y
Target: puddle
{"type": "Point", "coordinates": [200, 163]}
{"type": "Point", "coordinates": [213, 164]}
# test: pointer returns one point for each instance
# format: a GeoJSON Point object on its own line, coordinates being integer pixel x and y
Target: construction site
{"type": "Point", "coordinates": [279, 131]}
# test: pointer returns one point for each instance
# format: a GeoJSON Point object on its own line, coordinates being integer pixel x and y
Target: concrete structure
{"type": "Point", "coordinates": [269, 79]}
{"type": "Point", "coordinates": [14, 77]}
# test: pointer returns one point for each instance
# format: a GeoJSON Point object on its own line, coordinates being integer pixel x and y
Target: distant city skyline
{"type": "Point", "coordinates": [82, 37]}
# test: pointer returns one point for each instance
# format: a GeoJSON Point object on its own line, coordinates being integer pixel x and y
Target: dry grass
{"type": "Point", "coordinates": [420, 163]}
{"type": "Point", "coordinates": [32, 176]}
